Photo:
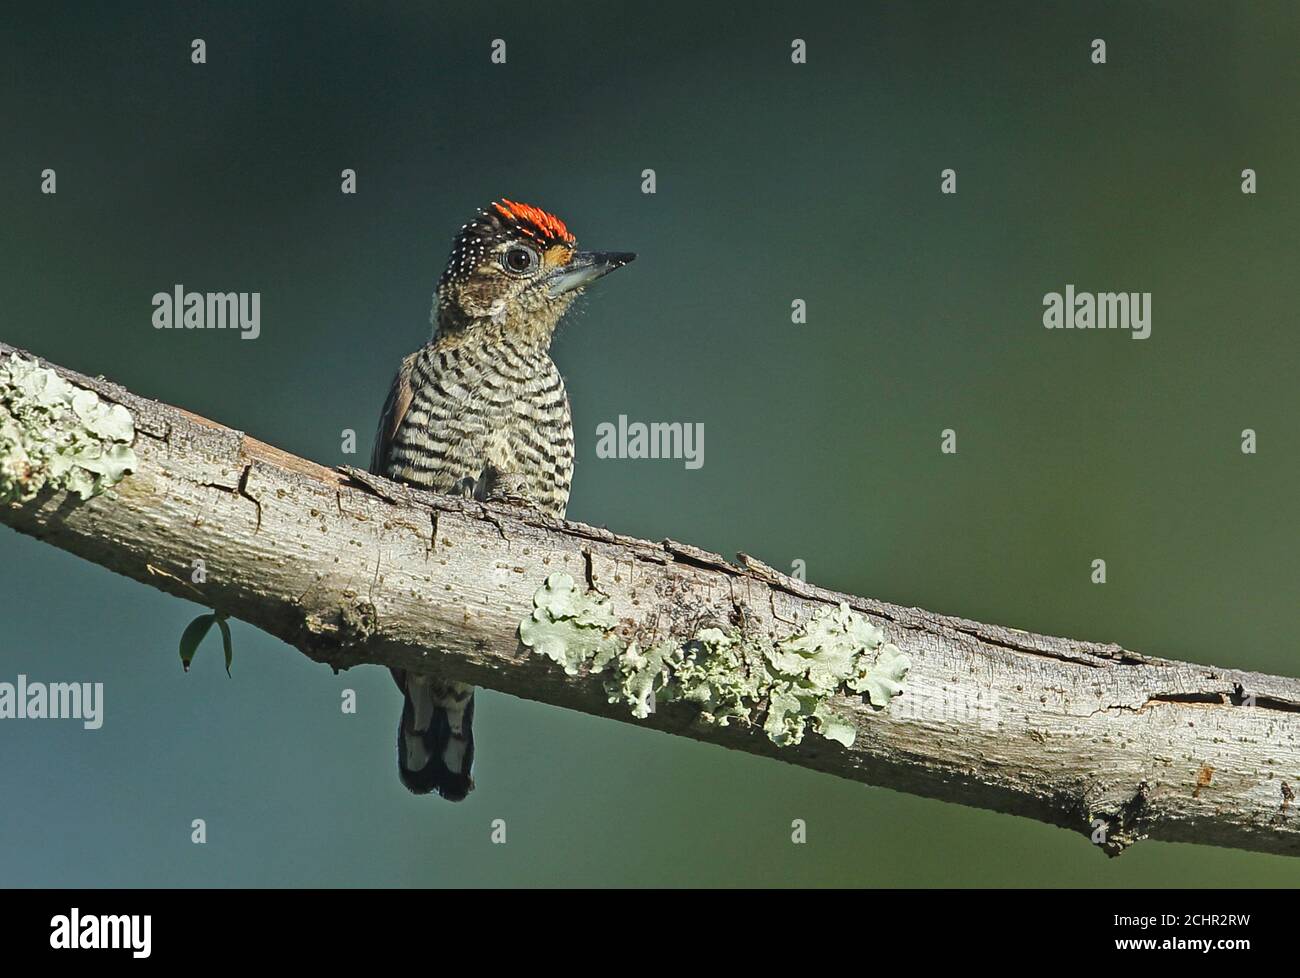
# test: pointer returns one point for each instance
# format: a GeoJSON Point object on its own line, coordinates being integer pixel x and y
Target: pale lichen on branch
{"type": "Point", "coordinates": [55, 435]}
{"type": "Point", "coordinates": [783, 686]}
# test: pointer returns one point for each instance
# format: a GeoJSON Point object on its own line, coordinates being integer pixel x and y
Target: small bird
{"type": "Point", "coordinates": [481, 411]}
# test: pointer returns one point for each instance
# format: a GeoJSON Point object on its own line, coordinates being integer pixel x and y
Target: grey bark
{"type": "Point", "coordinates": [350, 568]}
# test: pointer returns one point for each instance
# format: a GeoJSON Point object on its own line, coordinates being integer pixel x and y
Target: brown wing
{"type": "Point", "coordinates": [395, 408]}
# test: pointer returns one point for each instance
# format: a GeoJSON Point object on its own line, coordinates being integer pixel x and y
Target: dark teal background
{"type": "Point", "coordinates": [775, 181]}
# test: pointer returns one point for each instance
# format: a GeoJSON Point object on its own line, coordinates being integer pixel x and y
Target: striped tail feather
{"type": "Point", "coordinates": [435, 736]}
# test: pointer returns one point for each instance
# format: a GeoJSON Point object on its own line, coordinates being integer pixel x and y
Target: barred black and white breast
{"type": "Point", "coordinates": [482, 418]}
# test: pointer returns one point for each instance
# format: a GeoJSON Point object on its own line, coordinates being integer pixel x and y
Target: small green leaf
{"type": "Point", "coordinates": [225, 641]}
{"type": "Point", "coordinates": [192, 636]}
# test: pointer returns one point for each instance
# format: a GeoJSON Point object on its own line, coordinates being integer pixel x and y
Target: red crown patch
{"type": "Point", "coordinates": [533, 221]}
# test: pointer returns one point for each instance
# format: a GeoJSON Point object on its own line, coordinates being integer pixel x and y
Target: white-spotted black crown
{"type": "Point", "coordinates": [503, 220]}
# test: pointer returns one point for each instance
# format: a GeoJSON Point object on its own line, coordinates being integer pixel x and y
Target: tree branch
{"type": "Point", "coordinates": [351, 568]}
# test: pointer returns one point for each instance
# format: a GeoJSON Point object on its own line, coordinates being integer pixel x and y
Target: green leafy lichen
{"type": "Point", "coordinates": [838, 648]}
{"type": "Point", "coordinates": [719, 674]}
{"type": "Point", "coordinates": [785, 686]}
{"type": "Point", "coordinates": [568, 626]}
{"type": "Point", "coordinates": [638, 676]}
{"type": "Point", "coordinates": [56, 435]}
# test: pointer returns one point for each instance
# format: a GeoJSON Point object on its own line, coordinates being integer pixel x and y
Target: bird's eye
{"type": "Point", "coordinates": [520, 259]}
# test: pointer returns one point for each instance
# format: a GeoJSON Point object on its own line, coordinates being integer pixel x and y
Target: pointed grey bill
{"type": "Point", "coordinates": [585, 268]}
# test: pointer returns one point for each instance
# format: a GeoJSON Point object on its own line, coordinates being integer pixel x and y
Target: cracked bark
{"type": "Point", "coordinates": [350, 568]}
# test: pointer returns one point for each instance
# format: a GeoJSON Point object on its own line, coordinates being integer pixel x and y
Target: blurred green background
{"type": "Point", "coordinates": [775, 181]}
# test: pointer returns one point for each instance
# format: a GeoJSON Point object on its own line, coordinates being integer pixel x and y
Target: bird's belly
{"type": "Point", "coordinates": [466, 460]}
